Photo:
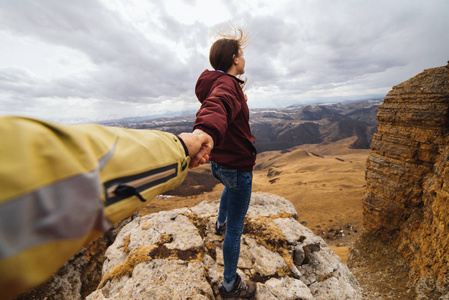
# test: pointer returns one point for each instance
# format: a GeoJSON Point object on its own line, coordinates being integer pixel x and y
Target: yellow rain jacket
{"type": "Point", "coordinates": [61, 186]}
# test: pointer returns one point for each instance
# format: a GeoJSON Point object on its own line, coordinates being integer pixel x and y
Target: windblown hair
{"type": "Point", "coordinates": [221, 55]}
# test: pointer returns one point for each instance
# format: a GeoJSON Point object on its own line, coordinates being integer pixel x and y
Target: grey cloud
{"type": "Point", "coordinates": [10, 76]}
{"type": "Point", "coordinates": [303, 47]}
{"type": "Point", "coordinates": [16, 81]}
{"type": "Point", "coordinates": [129, 65]}
{"type": "Point", "coordinates": [332, 43]}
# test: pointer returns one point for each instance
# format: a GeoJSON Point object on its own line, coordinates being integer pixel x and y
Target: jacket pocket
{"type": "Point", "coordinates": [252, 147]}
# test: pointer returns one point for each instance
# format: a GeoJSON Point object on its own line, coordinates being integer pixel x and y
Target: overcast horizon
{"type": "Point", "coordinates": [94, 60]}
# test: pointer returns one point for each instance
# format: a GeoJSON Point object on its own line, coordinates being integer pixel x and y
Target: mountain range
{"type": "Point", "coordinates": [283, 128]}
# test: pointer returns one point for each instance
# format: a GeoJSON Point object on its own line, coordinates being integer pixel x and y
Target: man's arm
{"type": "Point", "coordinates": [63, 186]}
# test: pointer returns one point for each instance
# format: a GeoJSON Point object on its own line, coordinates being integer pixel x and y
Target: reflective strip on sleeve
{"type": "Point", "coordinates": [104, 160]}
{"type": "Point", "coordinates": [67, 209]}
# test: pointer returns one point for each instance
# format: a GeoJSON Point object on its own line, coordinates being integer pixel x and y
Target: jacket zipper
{"type": "Point", "coordinates": [122, 188]}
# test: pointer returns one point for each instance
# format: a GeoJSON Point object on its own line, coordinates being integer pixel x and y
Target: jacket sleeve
{"type": "Point", "coordinates": [218, 110]}
{"type": "Point", "coordinates": [62, 186]}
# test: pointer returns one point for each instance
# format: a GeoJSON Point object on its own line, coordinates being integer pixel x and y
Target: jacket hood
{"type": "Point", "coordinates": [205, 82]}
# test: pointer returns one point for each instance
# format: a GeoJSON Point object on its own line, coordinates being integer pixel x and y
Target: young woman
{"type": "Point", "coordinates": [224, 115]}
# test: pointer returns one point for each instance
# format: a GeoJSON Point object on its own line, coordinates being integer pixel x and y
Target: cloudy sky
{"type": "Point", "coordinates": [90, 60]}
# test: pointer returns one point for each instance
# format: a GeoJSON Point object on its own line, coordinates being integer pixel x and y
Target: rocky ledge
{"type": "Point", "coordinates": [176, 255]}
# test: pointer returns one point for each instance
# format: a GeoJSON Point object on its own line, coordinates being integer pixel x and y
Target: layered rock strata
{"type": "Point", "coordinates": [176, 255]}
{"type": "Point", "coordinates": [407, 200]}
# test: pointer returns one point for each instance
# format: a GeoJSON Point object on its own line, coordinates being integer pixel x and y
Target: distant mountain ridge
{"type": "Point", "coordinates": [283, 128]}
{"type": "Point", "coordinates": [279, 129]}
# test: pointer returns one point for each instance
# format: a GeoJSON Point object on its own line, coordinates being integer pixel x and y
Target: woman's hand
{"type": "Point", "coordinates": [199, 144]}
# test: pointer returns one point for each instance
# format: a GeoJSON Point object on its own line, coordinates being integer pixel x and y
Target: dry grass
{"type": "Point", "coordinates": [325, 187]}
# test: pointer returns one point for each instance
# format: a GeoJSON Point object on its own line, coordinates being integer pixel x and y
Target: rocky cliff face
{"type": "Point", "coordinates": [176, 255]}
{"type": "Point", "coordinates": [407, 200]}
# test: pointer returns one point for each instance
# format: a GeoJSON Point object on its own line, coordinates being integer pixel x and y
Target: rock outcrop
{"type": "Point", "coordinates": [407, 200]}
{"type": "Point", "coordinates": [176, 255]}
{"type": "Point", "coordinates": [79, 276]}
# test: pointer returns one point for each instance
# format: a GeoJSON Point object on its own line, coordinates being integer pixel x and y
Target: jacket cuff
{"type": "Point", "coordinates": [210, 132]}
{"type": "Point", "coordinates": [186, 150]}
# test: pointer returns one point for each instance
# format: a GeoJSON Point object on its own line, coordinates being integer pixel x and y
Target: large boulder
{"type": "Point", "coordinates": [176, 255]}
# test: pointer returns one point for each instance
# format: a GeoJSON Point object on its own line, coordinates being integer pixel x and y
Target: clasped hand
{"type": "Point", "coordinates": [199, 144]}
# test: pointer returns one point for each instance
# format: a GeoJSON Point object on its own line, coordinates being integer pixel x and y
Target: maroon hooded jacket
{"type": "Point", "coordinates": [224, 115]}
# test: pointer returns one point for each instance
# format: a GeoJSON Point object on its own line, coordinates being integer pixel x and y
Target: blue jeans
{"type": "Point", "coordinates": [234, 204]}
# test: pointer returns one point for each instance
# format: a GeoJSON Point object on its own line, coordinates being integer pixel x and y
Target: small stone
{"type": "Point", "coordinates": [298, 255]}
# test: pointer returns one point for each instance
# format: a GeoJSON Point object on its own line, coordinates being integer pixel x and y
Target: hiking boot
{"type": "Point", "coordinates": [220, 230]}
{"type": "Point", "coordinates": [242, 288]}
